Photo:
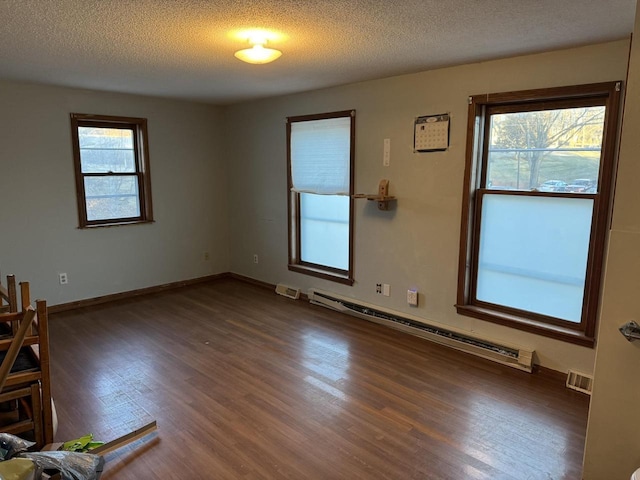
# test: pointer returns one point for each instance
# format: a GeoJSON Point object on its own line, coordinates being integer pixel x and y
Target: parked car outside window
{"type": "Point", "coordinates": [581, 185]}
{"type": "Point", "coordinates": [553, 186]}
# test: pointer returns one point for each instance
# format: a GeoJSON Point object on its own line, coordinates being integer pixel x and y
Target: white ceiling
{"type": "Point", "coordinates": [184, 48]}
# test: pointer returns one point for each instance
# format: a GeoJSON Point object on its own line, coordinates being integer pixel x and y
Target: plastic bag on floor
{"type": "Point", "coordinates": [11, 445]}
{"type": "Point", "coordinates": [72, 465]}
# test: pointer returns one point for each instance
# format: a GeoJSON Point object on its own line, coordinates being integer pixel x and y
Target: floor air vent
{"type": "Point", "coordinates": [514, 357]}
{"type": "Point", "coordinates": [580, 382]}
{"type": "Point", "coordinates": [288, 291]}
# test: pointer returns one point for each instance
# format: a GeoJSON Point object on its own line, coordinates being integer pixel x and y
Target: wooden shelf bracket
{"type": "Point", "coordinates": [382, 197]}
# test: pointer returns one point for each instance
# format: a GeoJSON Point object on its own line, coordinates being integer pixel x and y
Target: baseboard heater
{"type": "Point", "coordinates": [511, 356]}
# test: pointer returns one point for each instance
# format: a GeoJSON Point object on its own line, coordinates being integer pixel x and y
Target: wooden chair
{"type": "Point", "coordinates": [29, 381]}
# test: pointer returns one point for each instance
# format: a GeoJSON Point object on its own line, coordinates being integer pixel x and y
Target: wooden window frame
{"type": "Point", "coordinates": [141, 152]}
{"type": "Point", "coordinates": [480, 108]}
{"type": "Point", "coordinates": [296, 264]}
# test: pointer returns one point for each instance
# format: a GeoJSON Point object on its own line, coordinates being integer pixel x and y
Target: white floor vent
{"type": "Point", "coordinates": [580, 382]}
{"type": "Point", "coordinates": [288, 291]}
{"type": "Point", "coordinates": [515, 357]}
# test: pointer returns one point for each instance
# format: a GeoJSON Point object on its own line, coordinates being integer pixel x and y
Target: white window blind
{"type": "Point", "coordinates": [320, 156]}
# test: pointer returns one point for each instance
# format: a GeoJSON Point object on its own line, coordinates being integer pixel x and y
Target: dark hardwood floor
{"type": "Point", "coordinates": [246, 384]}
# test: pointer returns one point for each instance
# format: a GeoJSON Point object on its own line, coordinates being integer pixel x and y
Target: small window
{"type": "Point", "coordinates": [112, 170]}
{"type": "Point", "coordinates": [320, 156]}
{"type": "Point", "coordinates": [537, 199]}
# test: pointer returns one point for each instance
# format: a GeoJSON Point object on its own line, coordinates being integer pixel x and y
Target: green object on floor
{"type": "Point", "coordinates": [82, 444]}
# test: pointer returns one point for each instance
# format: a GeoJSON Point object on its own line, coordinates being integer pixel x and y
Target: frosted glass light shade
{"type": "Point", "coordinates": [258, 54]}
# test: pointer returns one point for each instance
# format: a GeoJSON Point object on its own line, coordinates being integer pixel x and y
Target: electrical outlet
{"type": "Point", "coordinates": [63, 278]}
{"type": "Point", "coordinates": [378, 288]}
{"type": "Point", "coordinates": [255, 258]}
{"type": "Point", "coordinates": [412, 297]}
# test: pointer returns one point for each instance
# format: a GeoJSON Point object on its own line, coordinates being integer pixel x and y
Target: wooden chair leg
{"type": "Point", "coordinates": [36, 406]}
{"type": "Point", "coordinates": [25, 298]}
{"type": "Point", "coordinates": [13, 300]}
{"type": "Point", "coordinates": [25, 301]}
{"type": "Point", "coordinates": [43, 331]}
{"type": "Point", "coordinates": [13, 294]}
{"type": "Point", "coordinates": [4, 296]}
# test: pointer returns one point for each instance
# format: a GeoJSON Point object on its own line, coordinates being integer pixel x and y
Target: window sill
{"type": "Point", "coordinates": [325, 274]}
{"type": "Point", "coordinates": [532, 326]}
{"type": "Point", "coordinates": [114, 224]}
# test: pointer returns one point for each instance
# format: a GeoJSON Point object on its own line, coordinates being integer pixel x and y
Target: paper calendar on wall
{"type": "Point", "coordinates": [431, 133]}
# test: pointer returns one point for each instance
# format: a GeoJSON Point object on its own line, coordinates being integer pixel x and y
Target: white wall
{"type": "Point", "coordinates": [613, 433]}
{"type": "Point", "coordinates": [219, 186]}
{"type": "Point", "coordinates": [416, 244]}
{"type": "Point", "coordinates": [38, 215]}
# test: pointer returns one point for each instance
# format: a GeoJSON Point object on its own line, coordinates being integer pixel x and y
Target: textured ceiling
{"type": "Point", "coordinates": [184, 48]}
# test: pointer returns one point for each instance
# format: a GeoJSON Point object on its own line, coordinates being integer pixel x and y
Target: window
{"type": "Point", "coordinates": [535, 210]}
{"type": "Point", "coordinates": [111, 158]}
{"type": "Point", "coordinates": [320, 159]}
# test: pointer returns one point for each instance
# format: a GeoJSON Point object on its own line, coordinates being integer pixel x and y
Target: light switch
{"type": "Point", "coordinates": [386, 156]}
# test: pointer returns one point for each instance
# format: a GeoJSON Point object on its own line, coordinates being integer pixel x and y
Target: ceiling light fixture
{"type": "Point", "coordinates": [259, 53]}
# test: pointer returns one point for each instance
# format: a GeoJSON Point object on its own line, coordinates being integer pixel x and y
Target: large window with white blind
{"type": "Point", "coordinates": [320, 159]}
{"type": "Point", "coordinates": [537, 198]}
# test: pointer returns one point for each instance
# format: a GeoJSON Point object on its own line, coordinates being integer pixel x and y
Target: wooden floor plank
{"type": "Point", "coordinates": [245, 384]}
